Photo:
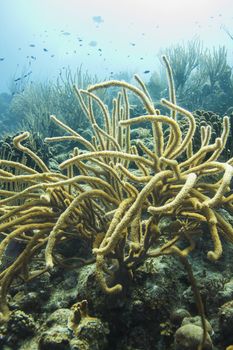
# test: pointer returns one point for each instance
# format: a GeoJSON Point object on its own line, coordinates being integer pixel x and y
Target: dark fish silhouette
{"type": "Point", "coordinates": [17, 79]}
{"type": "Point", "coordinates": [92, 43]}
{"type": "Point", "coordinates": [2, 58]}
{"type": "Point", "coordinates": [52, 55]}
{"type": "Point", "coordinates": [45, 50]}
{"type": "Point", "coordinates": [98, 19]}
{"type": "Point", "coordinates": [100, 50]}
{"type": "Point", "coordinates": [133, 44]}
{"type": "Point", "coordinates": [32, 45]}
{"type": "Point", "coordinates": [146, 71]}
{"type": "Point", "coordinates": [33, 57]}
{"type": "Point", "coordinates": [26, 75]}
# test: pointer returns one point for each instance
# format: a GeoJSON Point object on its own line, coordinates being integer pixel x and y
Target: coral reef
{"type": "Point", "coordinates": [203, 119]}
{"type": "Point", "coordinates": [113, 201]}
{"type": "Point", "coordinates": [202, 76]}
{"type": "Point", "coordinates": [33, 106]}
{"type": "Point", "coordinates": [34, 142]}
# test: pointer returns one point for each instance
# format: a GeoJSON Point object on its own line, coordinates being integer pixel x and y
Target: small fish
{"type": "Point", "coordinates": [45, 50]}
{"type": "Point", "coordinates": [2, 58]}
{"type": "Point", "coordinates": [100, 50]}
{"type": "Point", "coordinates": [66, 33]}
{"type": "Point", "coordinates": [92, 43]}
{"type": "Point", "coordinates": [97, 19]}
{"type": "Point", "coordinates": [146, 71]}
{"type": "Point", "coordinates": [26, 75]}
{"type": "Point", "coordinates": [52, 55]}
{"type": "Point", "coordinates": [133, 44]}
{"type": "Point", "coordinates": [33, 57]}
{"type": "Point", "coordinates": [32, 45]}
{"type": "Point", "coordinates": [79, 39]}
{"type": "Point", "coordinates": [141, 58]}
{"type": "Point", "coordinates": [17, 79]}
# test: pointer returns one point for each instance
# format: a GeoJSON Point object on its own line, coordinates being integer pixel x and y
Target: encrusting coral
{"type": "Point", "coordinates": [114, 195]}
